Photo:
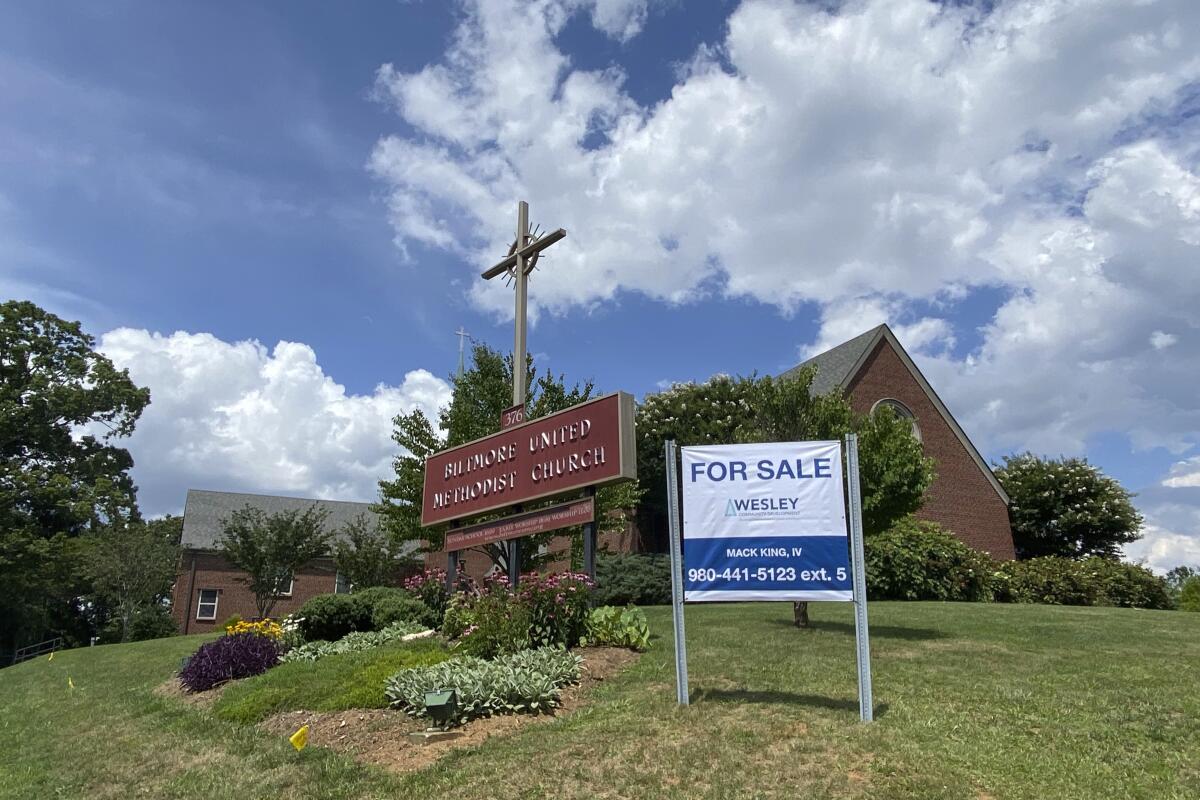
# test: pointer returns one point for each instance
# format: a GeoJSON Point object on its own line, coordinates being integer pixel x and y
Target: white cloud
{"type": "Point", "coordinates": [845, 319]}
{"type": "Point", "coordinates": [1161, 550]}
{"type": "Point", "coordinates": [1160, 340]}
{"type": "Point", "coordinates": [1184, 474]}
{"type": "Point", "coordinates": [620, 19]}
{"type": "Point", "coordinates": [878, 160]}
{"type": "Point", "coordinates": [238, 416]}
{"type": "Point", "coordinates": [1171, 534]}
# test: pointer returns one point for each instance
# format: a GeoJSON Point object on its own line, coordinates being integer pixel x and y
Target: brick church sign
{"type": "Point", "coordinates": [590, 444]}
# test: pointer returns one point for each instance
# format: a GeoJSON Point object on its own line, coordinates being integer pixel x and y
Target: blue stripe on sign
{"type": "Point", "coordinates": [767, 563]}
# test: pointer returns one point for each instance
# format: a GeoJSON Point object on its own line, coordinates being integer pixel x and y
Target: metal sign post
{"type": "Point", "coordinates": [866, 703]}
{"type": "Point", "coordinates": [681, 677]}
{"type": "Point", "coordinates": [766, 522]}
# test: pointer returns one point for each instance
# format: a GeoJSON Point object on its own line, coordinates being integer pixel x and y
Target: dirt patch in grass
{"type": "Point", "coordinates": [381, 736]}
{"type": "Point", "coordinates": [173, 690]}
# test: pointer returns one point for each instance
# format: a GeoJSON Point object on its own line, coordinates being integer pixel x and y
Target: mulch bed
{"type": "Point", "coordinates": [380, 736]}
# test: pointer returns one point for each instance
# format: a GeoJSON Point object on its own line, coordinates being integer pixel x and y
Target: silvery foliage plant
{"type": "Point", "coordinates": [527, 682]}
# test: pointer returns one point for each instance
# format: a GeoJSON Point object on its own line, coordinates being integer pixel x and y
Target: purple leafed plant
{"type": "Point", "coordinates": [228, 658]}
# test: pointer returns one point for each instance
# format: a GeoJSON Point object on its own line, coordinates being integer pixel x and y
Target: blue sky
{"type": "Point", "coordinates": [1013, 186]}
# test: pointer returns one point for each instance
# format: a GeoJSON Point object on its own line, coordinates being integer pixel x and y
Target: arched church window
{"type": "Point", "coordinates": [902, 412]}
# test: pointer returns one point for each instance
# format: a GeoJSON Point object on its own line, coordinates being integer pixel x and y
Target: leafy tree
{"type": "Point", "coordinates": [62, 407]}
{"type": "Point", "coordinates": [132, 567]}
{"type": "Point", "coordinates": [366, 554]}
{"type": "Point", "coordinates": [271, 547]}
{"type": "Point", "coordinates": [1066, 507]}
{"type": "Point", "coordinates": [1189, 594]}
{"type": "Point", "coordinates": [479, 396]}
{"type": "Point", "coordinates": [894, 472]}
{"type": "Point", "coordinates": [1176, 577]}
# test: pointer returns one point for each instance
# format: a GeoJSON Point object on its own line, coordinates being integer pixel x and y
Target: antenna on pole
{"type": "Point", "coordinates": [462, 338]}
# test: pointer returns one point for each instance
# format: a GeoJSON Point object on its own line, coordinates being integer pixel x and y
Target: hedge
{"type": "Point", "coordinates": [643, 579]}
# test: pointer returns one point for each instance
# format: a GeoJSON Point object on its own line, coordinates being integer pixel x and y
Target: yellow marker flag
{"type": "Point", "coordinates": [299, 738]}
{"type": "Point", "coordinates": [70, 683]}
{"type": "Point", "coordinates": [51, 658]}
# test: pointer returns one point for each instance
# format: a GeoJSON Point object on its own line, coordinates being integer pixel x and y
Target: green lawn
{"type": "Point", "coordinates": [351, 680]}
{"type": "Point", "coordinates": [973, 701]}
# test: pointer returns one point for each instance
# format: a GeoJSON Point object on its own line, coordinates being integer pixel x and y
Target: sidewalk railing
{"type": "Point", "coordinates": [35, 650]}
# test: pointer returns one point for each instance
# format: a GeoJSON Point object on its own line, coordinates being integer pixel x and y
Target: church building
{"type": "Point", "coordinates": [873, 370]}
{"type": "Point", "coordinates": [208, 589]}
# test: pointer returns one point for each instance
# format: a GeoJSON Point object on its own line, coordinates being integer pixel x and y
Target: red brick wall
{"type": "Point", "coordinates": [961, 498]}
{"type": "Point", "coordinates": [233, 596]}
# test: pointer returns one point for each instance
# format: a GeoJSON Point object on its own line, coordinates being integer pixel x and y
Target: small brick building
{"type": "Point", "coordinates": [873, 370]}
{"type": "Point", "coordinates": [208, 589]}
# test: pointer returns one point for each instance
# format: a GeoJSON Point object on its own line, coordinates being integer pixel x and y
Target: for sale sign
{"type": "Point", "coordinates": [765, 522]}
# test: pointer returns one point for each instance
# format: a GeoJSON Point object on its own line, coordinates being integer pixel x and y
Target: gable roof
{"type": "Point", "coordinates": [204, 512]}
{"type": "Point", "coordinates": [838, 366]}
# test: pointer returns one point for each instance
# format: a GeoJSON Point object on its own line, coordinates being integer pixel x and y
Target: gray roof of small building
{"type": "Point", "coordinates": [205, 511]}
{"type": "Point", "coordinates": [835, 365]}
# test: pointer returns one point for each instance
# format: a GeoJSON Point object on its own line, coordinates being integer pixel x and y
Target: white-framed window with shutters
{"type": "Point", "coordinates": [286, 590]}
{"type": "Point", "coordinates": [206, 604]}
{"type": "Point", "coordinates": [341, 584]}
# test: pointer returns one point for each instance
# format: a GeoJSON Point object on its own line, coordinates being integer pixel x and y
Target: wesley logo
{"type": "Point", "coordinates": [735, 507]}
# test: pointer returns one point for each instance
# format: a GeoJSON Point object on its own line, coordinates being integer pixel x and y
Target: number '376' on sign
{"type": "Point", "coordinates": [765, 522]}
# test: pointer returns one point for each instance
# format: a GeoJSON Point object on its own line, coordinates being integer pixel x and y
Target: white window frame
{"type": "Point", "coordinates": [341, 584]}
{"type": "Point", "coordinates": [291, 586]}
{"type": "Point", "coordinates": [902, 412]}
{"type": "Point", "coordinates": [216, 593]}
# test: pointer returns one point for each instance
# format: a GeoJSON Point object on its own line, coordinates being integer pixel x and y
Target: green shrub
{"type": "Point", "coordinates": [1091, 582]}
{"type": "Point", "coordinates": [154, 622]}
{"type": "Point", "coordinates": [643, 579]}
{"type": "Point", "coordinates": [388, 610]}
{"type": "Point", "coordinates": [329, 617]}
{"type": "Point", "coordinates": [558, 606]}
{"type": "Point", "coordinates": [430, 587]}
{"type": "Point", "coordinates": [500, 625]}
{"type": "Point", "coordinates": [459, 615]}
{"type": "Point", "coordinates": [526, 682]}
{"type": "Point", "coordinates": [1128, 585]}
{"type": "Point", "coordinates": [231, 620]}
{"type": "Point", "coordinates": [370, 596]}
{"type": "Point", "coordinates": [488, 623]}
{"type": "Point", "coordinates": [618, 627]}
{"type": "Point", "coordinates": [351, 643]}
{"type": "Point", "coordinates": [1052, 580]}
{"type": "Point", "coordinates": [1189, 595]}
{"type": "Point", "coordinates": [546, 610]}
{"type": "Point", "coordinates": [917, 560]}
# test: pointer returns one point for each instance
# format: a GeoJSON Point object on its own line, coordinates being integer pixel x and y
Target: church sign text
{"type": "Point", "coordinates": [590, 444]}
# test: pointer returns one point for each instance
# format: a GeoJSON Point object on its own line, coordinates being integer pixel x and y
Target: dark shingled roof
{"type": "Point", "coordinates": [204, 512]}
{"type": "Point", "coordinates": [835, 365]}
{"type": "Point", "coordinates": [838, 365]}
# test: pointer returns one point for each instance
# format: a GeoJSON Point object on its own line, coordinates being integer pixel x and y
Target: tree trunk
{"type": "Point", "coordinates": [800, 612]}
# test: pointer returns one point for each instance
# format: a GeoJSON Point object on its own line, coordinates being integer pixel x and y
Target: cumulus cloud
{"type": "Point", "coordinates": [1171, 535]}
{"type": "Point", "coordinates": [876, 161]}
{"type": "Point", "coordinates": [237, 416]}
{"type": "Point", "coordinates": [1184, 474]}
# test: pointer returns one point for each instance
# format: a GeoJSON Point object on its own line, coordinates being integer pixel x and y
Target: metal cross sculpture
{"type": "Point", "coordinates": [522, 258]}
